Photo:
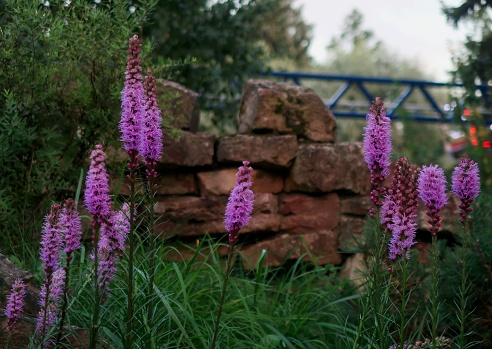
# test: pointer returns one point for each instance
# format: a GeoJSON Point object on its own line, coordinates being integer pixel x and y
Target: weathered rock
{"type": "Point", "coordinates": [358, 205]}
{"type": "Point", "coordinates": [320, 248]}
{"type": "Point", "coordinates": [191, 208]}
{"type": "Point", "coordinates": [306, 214]}
{"type": "Point", "coordinates": [350, 233]}
{"type": "Point", "coordinates": [8, 274]}
{"type": "Point", "coordinates": [353, 269]}
{"type": "Point", "coordinates": [285, 108]}
{"type": "Point", "coordinates": [221, 182]}
{"type": "Point", "coordinates": [178, 103]}
{"type": "Point", "coordinates": [175, 183]}
{"type": "Point", "coordinates": [330, 167]}
{"type": "Point", "coordinates": [260, 222]}
{"type": "Point", "coordinates": [188, 150]}
{"type": "Point", "coordinates": [267, 151]}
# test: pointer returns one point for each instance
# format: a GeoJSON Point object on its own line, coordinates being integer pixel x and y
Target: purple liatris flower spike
{"type": "Point", "coordinates": [465, 184]}
{"type": "Point", "coordinates": [377, 148]}
{"type": "Point", "coordinates": [432, 190]}
{"type": "Point", "coordinates": [399, 211]}
{"type": "Point", "coordinates": [15, 303]}
{"type": "Point", "coordinates": [240, 204]}
{"type": "Point", "coordinates": [50, 298]}
{"type": "Point", "coordinates": [70, 227]}
{"type": "Point", "coordinates": [112, 245]}
{"type": "Point", "coordinates": [132, 99]}
{"type": "Point", "coordinates": [51, 241]}
{"type": "Point", "coordinates": [151, 129]}
{"type": "Point", "coordinates": [96, 194]}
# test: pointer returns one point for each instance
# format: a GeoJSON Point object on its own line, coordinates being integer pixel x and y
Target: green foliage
{"type": "Point", "coordinates": [231, 41]}
{"type": "Point", "coordinates": [61, 74]}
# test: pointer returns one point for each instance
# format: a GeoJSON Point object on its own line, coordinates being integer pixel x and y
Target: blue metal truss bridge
{"type": "Point", "coordinates": [429, 108]}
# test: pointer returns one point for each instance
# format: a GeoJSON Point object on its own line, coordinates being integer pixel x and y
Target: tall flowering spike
{"type": "Point", "coordinates": [377, 148]}
{"type": "Point", "coordinates": [51, 241]}
{"type": "Point", "coordinates": [96, 194]}
{"type": "Point", "coordinates": [432, 190]}
{"type": "Point", "coordinates": [399, 211]}
{"type": "Point", "coordinates": [70, 227]}
{"type": "Point", "coordinates": [15, 303]}
{"type": "Point", "coordinates": [240, 204]}
{"type": "Point", "coordinates": [112, 244]}
{"type": "Point", "coordinates": [465, 184]}
{"type": "Point", "coordinates": [132, 99]}
{"type": "Point", "coordinates": [151, 128]}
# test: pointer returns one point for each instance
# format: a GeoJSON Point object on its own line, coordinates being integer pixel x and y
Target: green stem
{"type": "Point", "coordinates": [150, 294]}
{"type": "Point", "coordinates": [462, 310]}
{"type": "Point", "coordinates": [403, 302]}
{"type": "Point", "coordinates": [131, 238]}
{"type": "Point", "coordinates": [434, 291]}
{"type": "Point", "coordinates": [65, 300]}
{"type": "Point", "coordinates": [97, 298]}
{"type": "Point", "coordinates": [230, 260]}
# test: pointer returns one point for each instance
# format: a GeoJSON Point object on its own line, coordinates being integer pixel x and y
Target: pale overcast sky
{"type": "Point", "coordinates": [416, 29]}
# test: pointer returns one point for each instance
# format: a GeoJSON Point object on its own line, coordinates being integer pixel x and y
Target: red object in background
{"type": "Point", "coordinates": [473, 136]}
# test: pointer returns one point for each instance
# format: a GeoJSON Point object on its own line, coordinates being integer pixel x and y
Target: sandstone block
{"type": "Point", "coordinates": [319, 248]}
{"type": "Point", "coordinates": [175, 183]}
{"type": "Point", "coordinates": [358, 205]}
{"type": "Point", "coordinates": [350, 233]}
{"type": "Point", "coordinates": [330, 167]}
{"type": "Point", "coordinates": [221, 182]}
{"type": "Point", "coordinates": [286, 109]}
{"type": "Point", "coordinates": [353, 269]}
{"type": "Point", "coordinates": [178, 103]}
{"type": "Point", "coordinates": [267, 151]}
{"type": "Point", "coordinates": [188, 150]}
{"type": "Point", "coordinates": [305, 214]}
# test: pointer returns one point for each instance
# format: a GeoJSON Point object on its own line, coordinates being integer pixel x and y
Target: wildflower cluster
{"type": "Point", "coordinates": [15, 303]}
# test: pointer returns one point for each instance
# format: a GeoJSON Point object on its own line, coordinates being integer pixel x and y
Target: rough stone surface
{"type": "Point", "coordinates": [353, 269]}
{"type": "Point", "coordinates": [358, 205]}
{"type": "Point", "coordinates": [175, 183]}
{"type": "Point", "coordinates": [320, 248]}
{"type": "Point", "coordinates": [188, 150]}
{"type": "Point", "coordinates": [191, 208]}
{"type": "Point", "coordinates": [267, 151]}
{"type": "Point", "coordinates": [285, 108]}
{"type": "Point", "coordinates": [8, 274]}
{"type": "Point", "coordinates": [330, 167]}
{"type": "Point", "coordinates": [306, 214]}
{"type": "Point", "coordinates": [350, 235]}
{"type": "Point", "coordinates": [179, 103]}
{"type": "Point", "coordinates": [221, 182]}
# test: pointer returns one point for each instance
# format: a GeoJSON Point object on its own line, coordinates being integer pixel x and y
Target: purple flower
{"type": "Point", "coordinates": [240, 204]}
{"type": "Point", "coordinates": [96, 194]}
{"type": "Point", "coordinates": [15, 303]}
{"type": "Point", "coordinates": [51, 241]}
{"type": "Point", "coordinates": [377, 148]}
{"type": "Point", "coordinates": [151, 129]}
{"type": "Point", "coordinates": [432, 190]}
{"type": "Point", "coordinates": [70, 226]}
{"type": "Point", "coordinates": [112, 244]}
{"type": "Point", "coordinates": [465, 184]}
{"type": "Point", "coordinates": [399, 211]}
{"type": "Point", "coordinates": [465, 181]}
{"type": "Point", "coordinates": [50, 298]}
{"type": "Point", "coordinates": [132, 99]}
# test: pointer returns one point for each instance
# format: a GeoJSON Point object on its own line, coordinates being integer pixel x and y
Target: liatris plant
{"type": "Point", "coordinates": [398, 215]}
{"type": "Point", "coordinates": [70, 229]}
{"type": "Point", "coordinates": [98, 203]}
{"type": "Point", "coordinates": [151, 151]}
{"type": "Point", "coordinates": [377, 150]}
{"type": "Point", "coordinates": [237, 215]}
{"type": "Point", "coordinates": [377, 153]}
{"type": "Point", "coordinates": [465, 184]}
{"type": "Point", "coordinates": [15, 306]}
{"type": "Point", "coordinates": [132, 105]}
{"type": "Point", "coordinates": [432, 191]}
